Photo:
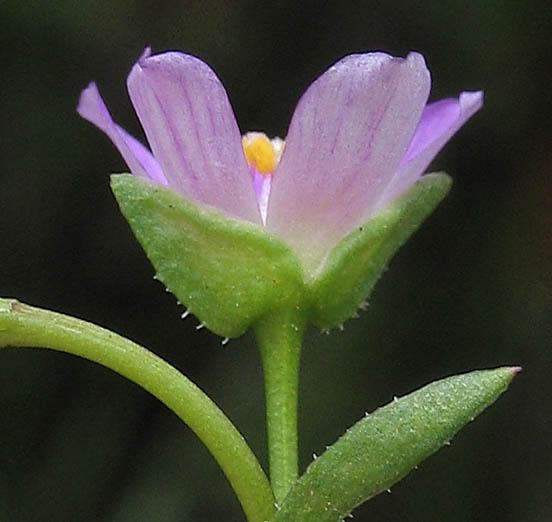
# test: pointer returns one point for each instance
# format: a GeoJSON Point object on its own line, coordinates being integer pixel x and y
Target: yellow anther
{"type": "Point", "coordinates": [259, 152]}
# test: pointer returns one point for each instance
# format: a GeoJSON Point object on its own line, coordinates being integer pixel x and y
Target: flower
{"type": "Point", "coordinates": [360, 136]}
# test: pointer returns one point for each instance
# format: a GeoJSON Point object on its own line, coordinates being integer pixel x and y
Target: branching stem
{"type": "Point", "coordinates": [23, 325]}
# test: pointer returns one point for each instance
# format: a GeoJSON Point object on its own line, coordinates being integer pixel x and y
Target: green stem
{"type": "Point", "coordinates": [280, 336]}
{"type": "Point", "coordinates": [22, 325]}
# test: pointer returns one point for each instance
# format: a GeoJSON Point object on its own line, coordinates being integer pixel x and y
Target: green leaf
{"type": "Point", "coordinates": [226, 272]}
{"type": "Point", "coordinates": [356, 263]}
{"type": "Point", "coordinates": [383, 447]}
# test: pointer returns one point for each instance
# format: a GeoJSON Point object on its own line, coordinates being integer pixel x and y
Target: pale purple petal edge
{"type": "Point", "coordinates": [440, 121]}
{"type": "Point", "coordinates": [436, 119]}
{"type": "Point", "coordinates": [138, 158]}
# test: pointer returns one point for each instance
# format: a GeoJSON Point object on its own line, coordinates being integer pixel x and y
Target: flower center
{"type": "Point", "coordinates": [261, 153]}
{"type": "Point", "coordinates": [263, 156]}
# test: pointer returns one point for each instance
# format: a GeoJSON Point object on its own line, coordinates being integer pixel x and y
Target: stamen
{"type": "Point", "coordinates": [259, 152]}
{"type": "Point", "coordinates": [263, 156]}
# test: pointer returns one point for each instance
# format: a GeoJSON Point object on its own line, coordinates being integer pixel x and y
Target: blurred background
{"type": "Point", "coordinates": [472, 288]}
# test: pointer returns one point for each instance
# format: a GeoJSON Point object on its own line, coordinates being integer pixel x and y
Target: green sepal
{"type": "Point", "coordinates": [385, 446]}
{"type": "Point", "coordinates": [227, 272]}
{"type": "Point", "coordinates": [356, 263]}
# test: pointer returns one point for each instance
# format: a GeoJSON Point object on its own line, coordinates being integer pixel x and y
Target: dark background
{"type": "Point", "coordinates": [472, 289]}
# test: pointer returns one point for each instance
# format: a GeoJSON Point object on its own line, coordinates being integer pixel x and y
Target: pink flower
{"type": "Point", "coordinates": [360, 136]}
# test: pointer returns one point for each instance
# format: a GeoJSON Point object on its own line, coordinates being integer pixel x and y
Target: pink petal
{"type": "Point", "coordinates": [192, 131]}
{"type": "Point", "coordinates": [440, 121]}
{"type": "Point", "coordinates": [138, 158]}
{"type": "Point", "coordinates": [262, 185]}
{"type": "Point", "coordinates": [346, 139]}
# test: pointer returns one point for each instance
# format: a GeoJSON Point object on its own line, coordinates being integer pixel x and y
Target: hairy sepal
{"type": "Point", "coordinates": [227, 272]}
{"type": "Point", "coordinates": [352, 268]}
